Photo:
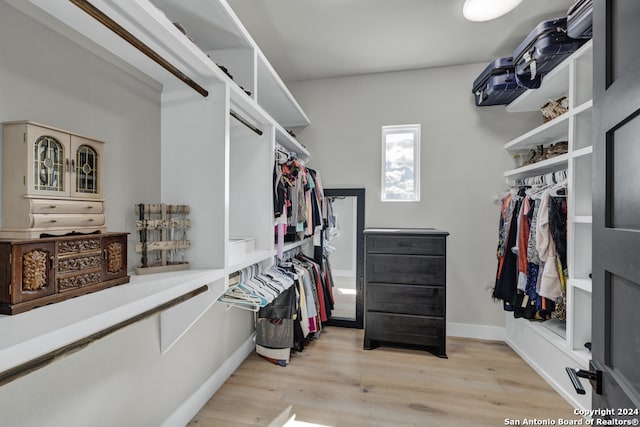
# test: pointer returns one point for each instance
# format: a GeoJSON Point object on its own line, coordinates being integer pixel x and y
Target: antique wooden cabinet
{"type": "Point", "coordinates": [405, 288]}
{"type": "Point", "coordinates": [36, 272]}
{"type": "Point", "coordinates": [52, 181]}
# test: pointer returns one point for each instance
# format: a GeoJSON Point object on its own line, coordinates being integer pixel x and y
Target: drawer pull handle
{"type": "Point", "coordinates": [52, 206]}
{"type": "Point", "coordinates": [89, 207]}
{"type": "Point", "coordinates": [53, 220]}
{"type": "Point", "coordinates": [90, 220]}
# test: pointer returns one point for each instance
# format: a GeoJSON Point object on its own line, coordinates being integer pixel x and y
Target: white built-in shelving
{"type": "Point", "coordinates": [551, 346]}
{"type": "Point", "coordinates": [210, 160]}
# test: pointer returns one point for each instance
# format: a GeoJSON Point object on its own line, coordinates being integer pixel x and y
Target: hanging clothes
{"type": "Point", "coordinates": [531, 251]}
{"type": "Point", "coordinates": [550, 285]}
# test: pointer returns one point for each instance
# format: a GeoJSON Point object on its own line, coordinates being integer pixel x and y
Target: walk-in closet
{"type": "Point", "coordinates": [289, 213]}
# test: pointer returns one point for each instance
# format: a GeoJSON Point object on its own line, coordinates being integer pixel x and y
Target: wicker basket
{"type": "Point", "coordinates": [553, 109]}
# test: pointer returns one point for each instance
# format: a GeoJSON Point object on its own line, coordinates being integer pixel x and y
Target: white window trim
{"type": "Point", "coordinates": [415, 129]}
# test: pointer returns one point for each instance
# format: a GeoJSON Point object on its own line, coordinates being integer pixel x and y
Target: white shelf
{"type": "Point", "coordinates": [584, 284]}
{"type": "Point", "coordinates": [212, 24]}
{"type": "Point", "coordinates": [582, 152]}
{"type": "Point", "coordinates": [552, 131]}
{"type": "Point", "coordinates": [554, 85]}
{"type": "Point", "coordinates": [37, 332]}
{"type": "Point", "coordinates": [293, 245]}
{"type": "Point", "coordinates": [290, 143]}
{"type": "Point", "coordinates": [142, 19]}
{"type": "Point", "coordinates": [218, 26]}
{"type": "Point", "coordinates": [551, 336]}
{"type": "Point", "coordinates": [550, 165]}
{"type": "Point", "coordinates": [215, 27]}
{"type": "Point", "coordinates": [238, 263]}
{"type": "Point", "coordinates": [273, 95]}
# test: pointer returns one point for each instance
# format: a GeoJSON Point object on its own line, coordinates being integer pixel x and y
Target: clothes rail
{"type": "Point", "coordinates": [244, 121]}
{"type": "Point", "coordinates": [47, 358]}
{"type": "Point", "coordinates": [101, 17]}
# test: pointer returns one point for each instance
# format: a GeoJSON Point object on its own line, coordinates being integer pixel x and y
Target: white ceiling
{"type": "Point", "coordinates": [312, 39]}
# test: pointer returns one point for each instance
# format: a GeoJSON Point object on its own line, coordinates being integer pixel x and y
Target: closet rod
{"type": "Point", "coordinates": [245, 122]}
{"type": "Point", "coordinates": [101, 17]}
{"type": "Point", "coordinates": [47, 358]}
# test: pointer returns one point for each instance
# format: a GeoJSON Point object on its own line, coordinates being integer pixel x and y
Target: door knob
{"type": "Point", "coordinates": [594, 377]}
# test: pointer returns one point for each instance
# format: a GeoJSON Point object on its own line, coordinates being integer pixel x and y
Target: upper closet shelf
{"type": "Point", "coordinates": [144, 22]}
{"type": "Point", "coordinates": [555, 84]}
{"type": "Point", "coordinates": [552, 131]}
{"type": "Point", "coordinates": [290, 143]}
{"type": "Point", "coordinates": [550, 165]}
{"type": "Point", "coordinates": [217, 30]}
{"type": "Point", "coordinates": [274, 96]}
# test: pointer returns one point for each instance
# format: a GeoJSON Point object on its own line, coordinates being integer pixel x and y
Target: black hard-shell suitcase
{"type": "Point", "coordinates": [580, 20]}
{"type": "Point", "coordinates": [497, 85]}
{"type": "Point", "coordinates": [544, 48]}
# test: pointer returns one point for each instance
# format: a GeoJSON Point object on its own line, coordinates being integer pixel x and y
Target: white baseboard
{"type": "Point", "coordinates": [481, 332]}
{"type": "Point", "coordinates": [197, 400]}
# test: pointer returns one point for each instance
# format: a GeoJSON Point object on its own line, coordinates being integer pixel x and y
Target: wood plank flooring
{"type": "Point", "coordinates": [334, 382]}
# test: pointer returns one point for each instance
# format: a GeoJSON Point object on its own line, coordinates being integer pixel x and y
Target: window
{"type": "Point", "coordinates": [401, 163]}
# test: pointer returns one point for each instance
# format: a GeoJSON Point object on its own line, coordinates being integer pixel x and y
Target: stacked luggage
{"type": "Point", "coordinates": [550, 43]}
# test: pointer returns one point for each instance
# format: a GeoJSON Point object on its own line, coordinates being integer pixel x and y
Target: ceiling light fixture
{"type": "Point", "coordinates": [486, 10]}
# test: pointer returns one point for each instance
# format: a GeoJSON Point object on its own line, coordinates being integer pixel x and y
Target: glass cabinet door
{"type": "Point", "coordinates": [86, 169]}
{"type": "Point", "coordinates": [48, 165]}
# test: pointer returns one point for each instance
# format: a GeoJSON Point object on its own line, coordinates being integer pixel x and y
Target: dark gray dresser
{"type": "Point", "coordinates": [405, 288]}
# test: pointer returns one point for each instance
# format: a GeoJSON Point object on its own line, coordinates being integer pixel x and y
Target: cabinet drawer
{"type": "Point", "coordinates": [418, 245]}
{"type": "Point", "coordinates": [50, 206]}
{"type": "Point", "coordinates": [79, 280]}
{"type": "Point", "coordinates": [66, 220]}
{"type": "Point", "coordinates": [406, 269]}
{"type": "Point", "coordinates": [404, 329]}
{"type": "Point", "coordinates": [406, 299]}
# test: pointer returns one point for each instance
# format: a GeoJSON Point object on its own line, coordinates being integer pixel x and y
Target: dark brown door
{"type": "Point", "coordinates": [616, 206]}
{"type": "Point", "coordinates": [33, 271]}
{"type": "Point", "coordinates": [114, 252]}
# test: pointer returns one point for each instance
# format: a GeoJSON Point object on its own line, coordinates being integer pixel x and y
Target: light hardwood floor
{"type": "Point", "coordinates": [334, 382]}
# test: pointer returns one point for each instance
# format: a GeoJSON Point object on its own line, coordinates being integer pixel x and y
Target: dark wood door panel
{"type": "Point", "coordinates": [623, 175]}
{"type": "Point", "coordinates": [616, 203]}
{"type": "Point", "coordinates": [622, 348]}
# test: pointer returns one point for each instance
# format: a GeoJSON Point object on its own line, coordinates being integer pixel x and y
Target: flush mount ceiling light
{"type": "Point", "coordinates": [486, 10]}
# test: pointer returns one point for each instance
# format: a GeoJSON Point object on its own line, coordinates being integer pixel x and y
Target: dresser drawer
{"type": "Point", "coordinates": [406, 299]}
{"type": "Point", "coordinates": [404, 328]}
{"type": "Point", "coordinates": [406, 269]}
{"type": "Point", "coordinates": [417, 245]}
{"type": "Point", "coordinates": [50, 206]}
{"type": "Point", "coordinates": [66, 220]}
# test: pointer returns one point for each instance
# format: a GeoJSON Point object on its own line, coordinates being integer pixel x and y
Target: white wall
{"type": "Point", "coordinates": [47, 79]}
{"type": "Point", "coordinates": [121, 380]}
{"type": "Point", "coordinates": [462, 164]}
